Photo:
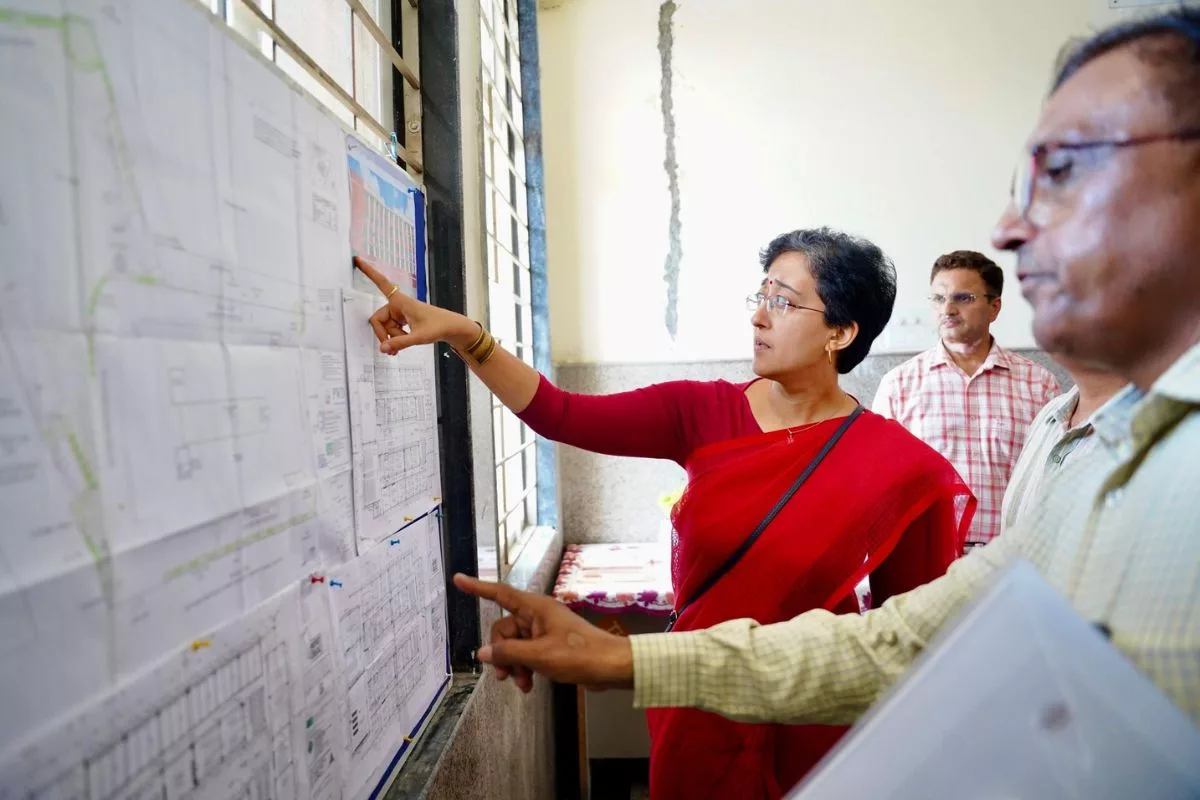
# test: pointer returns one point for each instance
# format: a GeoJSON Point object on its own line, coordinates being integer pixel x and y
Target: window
{"type": "Point", "coordinates": [337, 39]}
{"type": "Point", "coordinates": [506, 248]}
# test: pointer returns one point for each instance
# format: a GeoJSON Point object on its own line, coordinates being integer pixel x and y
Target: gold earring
{"type": "Point", "coordinates": [829, 354]}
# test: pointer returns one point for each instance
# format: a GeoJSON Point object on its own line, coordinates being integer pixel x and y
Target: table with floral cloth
{"type": "Point", "coordinates": [617, 578]}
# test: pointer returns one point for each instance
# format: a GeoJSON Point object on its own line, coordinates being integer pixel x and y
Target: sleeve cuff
{"type": "Point", "coordinates": [665, 670]}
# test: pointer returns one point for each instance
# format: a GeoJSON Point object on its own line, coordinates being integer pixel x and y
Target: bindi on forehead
{"type": "Point", "coordinates": [773, 284]}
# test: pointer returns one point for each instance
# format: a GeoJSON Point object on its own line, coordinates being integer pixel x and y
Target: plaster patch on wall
{"type": "Point", "coordinates": [666, 41]}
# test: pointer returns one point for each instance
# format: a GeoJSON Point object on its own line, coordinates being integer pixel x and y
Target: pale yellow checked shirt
{"type": "Point", "coordinates": [1049, 445]}
{"type": "Point", "coordinates": [1117, 532]}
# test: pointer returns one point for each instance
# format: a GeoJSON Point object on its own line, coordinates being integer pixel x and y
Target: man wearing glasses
{"type": "Point", "coordinates": [1105, 222]}
{"type": "Point", "coordinates": [967, 397]}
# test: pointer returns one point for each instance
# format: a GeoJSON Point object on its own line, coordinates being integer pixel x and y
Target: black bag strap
{"type": "Point", "coordinates": [736, 556]}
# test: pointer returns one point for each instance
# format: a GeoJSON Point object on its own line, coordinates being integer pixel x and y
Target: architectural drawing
{"type": "Point", "coordinates": [393, 416]}
{"type": "Point", "coordinates": [177, 465]}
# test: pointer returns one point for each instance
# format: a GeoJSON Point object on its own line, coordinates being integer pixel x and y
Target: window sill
{"type": "Point", "coordinates": [537, 565]}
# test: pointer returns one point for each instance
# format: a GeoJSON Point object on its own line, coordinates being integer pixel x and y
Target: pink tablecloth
{"type": "Point", "coordinates": [616, 578]}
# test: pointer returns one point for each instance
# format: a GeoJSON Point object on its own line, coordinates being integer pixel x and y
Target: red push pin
{"type": "Point", "coordinates": [317, 578]}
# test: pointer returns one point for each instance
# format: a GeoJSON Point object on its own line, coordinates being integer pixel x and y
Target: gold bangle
{"type": "Point", "coordinates": [491, 350]}
{"type": "Point", "coordinates": [479, 340]}
{"type": "Point", "coordinates": [481, 345]}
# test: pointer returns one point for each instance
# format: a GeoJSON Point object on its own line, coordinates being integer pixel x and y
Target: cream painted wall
{"type": "Point", "coordinates": [898, 121]}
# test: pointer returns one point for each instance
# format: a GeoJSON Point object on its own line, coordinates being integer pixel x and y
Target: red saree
{"type": "Point", "coordinates": [882, 503]}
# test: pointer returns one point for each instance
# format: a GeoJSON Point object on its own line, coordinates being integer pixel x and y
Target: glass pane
{"type": "Point", "coordinates": [487, 47]}
{"type": "Point", "coordinates": [526, 291]}
{"type": "Point", "coordinates": [529, 462]}
{"type": "Point", "coordinates": [503, 200]}
{"type": "Point", "coordinates": [517, 270]}
{"type": "Point", "coordinates": [519, 120]}
{"type": "Point", "coordinates": [514, 486]}
{"type": "Point", "coordinates": [523, 252]}
{"type": "Point", "coordinates": [310, 84]}
{"type": "Point", "coordinates": [322, 30]}
{"type": "Point", "coordinates": [489, 212]}
{"type": "Point", "coordinates": [487, 104]}
{"type": "Point", "coordinates": [514, 68]}
{"type": "Point", "coordinates": [500, 491]}
{"type": "Point", "coordinates": [522, 206]}
{"type": "Point", "coordinates": [372, 74]}
{"type": "Point", "coordinates": [497, 435]}
{"type": "Point", "coordinates": [531, 513]}
{"type": "Point", "coordinates": [512, 438]}
{"type": "Point", "coordinates": [526, 322]}
{"type": "Point", "coordinates": [516, 529]}
{"type": "Point", "coordinates": [498, 67]}
{"type": "Point", "coordinates": [500, 315]}
{"type": "Point", "coordinates": [499, 120]}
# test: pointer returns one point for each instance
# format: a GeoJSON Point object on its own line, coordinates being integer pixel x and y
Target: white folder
{"type": "Point", "coordinates": [1020, 698]}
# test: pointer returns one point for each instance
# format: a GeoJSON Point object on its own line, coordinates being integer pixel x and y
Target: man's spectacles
{"type": "Point", "coordinates": [776, 303]}
{"type": "Point", "coordinates": [1054, 162]}
{"type": "Point", "coordinates": [957, 299]}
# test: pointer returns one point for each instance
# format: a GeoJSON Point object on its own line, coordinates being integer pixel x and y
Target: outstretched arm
{"type": "Point", "coordinates": [646, 422]}
{"type": "Point", "coordinates": [818, 668]}
{"type": "Point", "coordinates": [405, 322]}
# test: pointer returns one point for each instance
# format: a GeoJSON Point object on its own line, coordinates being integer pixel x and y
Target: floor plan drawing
{"type": "Point", "coordinates": [393, 416]}
{"type": "Point", "coordinates": [215, 719]}
{"type": "Point", "coordinates": [180, 466]}
{"type": "Point", "coordinates": [389, 614]}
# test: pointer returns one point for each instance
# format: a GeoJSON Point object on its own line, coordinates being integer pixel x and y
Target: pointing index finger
{"type": "Point", "coordinates": [496, 592]}
{"type": "Point", "coordinates": [378, 278]}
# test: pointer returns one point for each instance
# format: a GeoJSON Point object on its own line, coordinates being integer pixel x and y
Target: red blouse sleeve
{"type": "Point", "coordinates": [664, 420]}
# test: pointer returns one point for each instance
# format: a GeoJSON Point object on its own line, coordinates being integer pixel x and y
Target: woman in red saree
{"type": "Point", "coordinates": [881, 503]}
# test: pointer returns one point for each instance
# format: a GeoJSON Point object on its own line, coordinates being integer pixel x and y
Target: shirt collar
{"type": "Point", "coordinates": [1063, 407]}
{"type": "Point", "coordinates": [997, 358]}
{"type": "Point", "coordinates": [1181, 381]}
{"type": "Point", "coordinates": [1113, 420]}
{"type": "Point", "coordinates": [1179, 387]}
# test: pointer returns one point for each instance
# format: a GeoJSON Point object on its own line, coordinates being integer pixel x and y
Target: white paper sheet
{"type": "Point", "coordinates": [393, 416]}
{"type": "Point", "coordinates": [389, 610]}
{"type": "Point", "coordinates": [222, 720]}
{"type": "Point", "coordinates": [175, 441]}
{"type": "Point", "coordinates": [40, 286]}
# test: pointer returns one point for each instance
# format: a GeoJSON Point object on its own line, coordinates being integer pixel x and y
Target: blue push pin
{"type": "Point", "coordinates": [393, 541]}
{"type": "Point", "coordinates": [335, 583]}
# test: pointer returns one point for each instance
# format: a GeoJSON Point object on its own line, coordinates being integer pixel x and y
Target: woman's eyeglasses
{"type": "Point", "coordinates": [776, 304]}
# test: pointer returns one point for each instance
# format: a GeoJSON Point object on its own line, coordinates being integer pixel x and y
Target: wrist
{"type": "Point", "coordinates": [463, 333]}
{"type": "Point", "coordinates": [619, 665]}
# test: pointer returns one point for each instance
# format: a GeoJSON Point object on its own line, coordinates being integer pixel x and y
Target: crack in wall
{"type": "Point", "coordinates": [666, 42]}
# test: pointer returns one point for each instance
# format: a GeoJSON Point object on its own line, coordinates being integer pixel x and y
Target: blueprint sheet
{"type": "Point", "coordinates": [391, 635]}
{"type": "Point", "coordinates": [175, 440]}
{"type": "Point", "coordinates": [393, 414]}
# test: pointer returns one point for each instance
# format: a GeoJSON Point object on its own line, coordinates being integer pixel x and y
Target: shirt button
{"type": "Point", "coordinates": [1113, 496]}
{"type": "Point", "coordinates": [1057, 459]}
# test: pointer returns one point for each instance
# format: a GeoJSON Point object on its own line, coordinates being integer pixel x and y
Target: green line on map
{"type": "Point", "coordinates": [201, 561]}
{"type": "Point", "coordinates": [89, 477]}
